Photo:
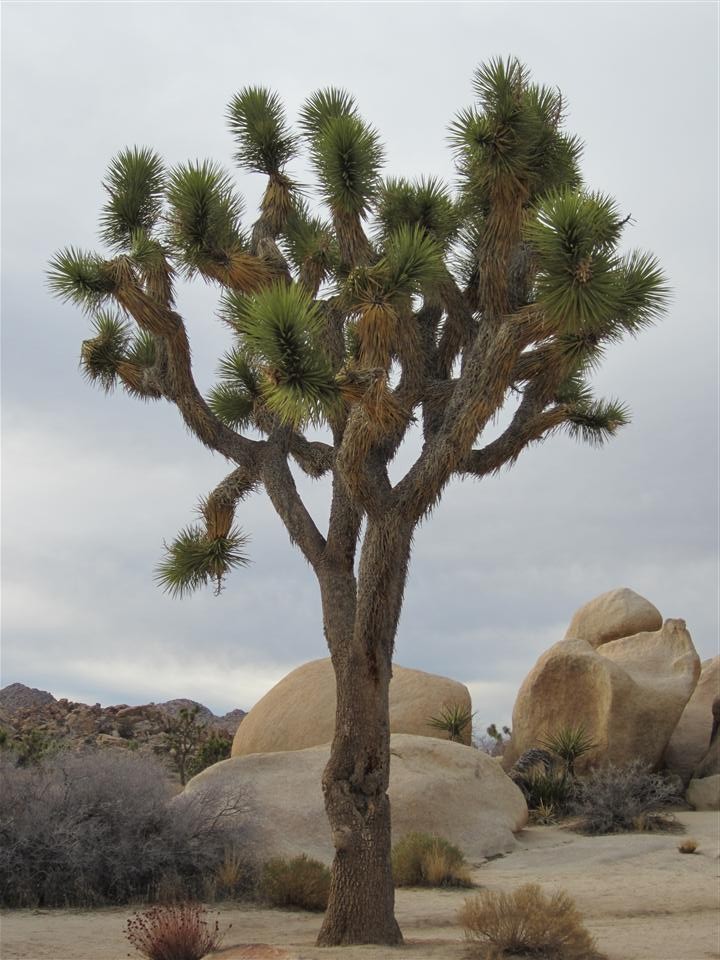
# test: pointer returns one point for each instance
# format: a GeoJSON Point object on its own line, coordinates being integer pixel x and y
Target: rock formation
{"type": "Point", "coordinates": [435, 787]}
{"type": "Point", "coordinates": [299, 711]}
{"type": "Point", "coordinates": [81, 725]}
{"type": "Point", "coordinates": [691, 739]}
{"type": "Point", "coordinates": [618, 613]}
{"type": "Point", "coordinates": [627, 693]}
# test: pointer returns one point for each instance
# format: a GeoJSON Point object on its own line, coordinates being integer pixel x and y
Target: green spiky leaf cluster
{"type": "Point", "coordinates": [426, 203]}
{"type": "Point", "coordinates": [311, 247]}
{"type": "Point", "coordinates": [234, 399]}
{"type": "Point", "coordinates": [257, 120]}
{"type": "Point", "coordinates": [347, 156]}
{"type": "Point", "coordinates": [135, 184]}
{"type": "Point", "coordinates": [101, 354]}
{"type": "Point", "coordinates": [204, 216]}
{"type": "Point", "coordinates": [81, 278]}
{"type": "Point", "coordinates": [281, 326]}
{"type": "Point", "coordinates": [513, 137]}
{"type": "Point", "coordinates": [193, 560]}
{"type": "Point", "coordinates": [582, 283]}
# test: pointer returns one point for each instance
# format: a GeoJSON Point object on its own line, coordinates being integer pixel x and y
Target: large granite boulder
{"type": "Point", "coordinates": [436, 786]}
{"type": "Point", "coordinates": [704, 794]}
{"type": "Point", "coordinates": [691, 739]}
{"type": "Point", "coordinates": [618, 613]}
{"type": "Point", "coordinates": [628, 694]}
{"type": "Point", "coordinates": [299, 711]}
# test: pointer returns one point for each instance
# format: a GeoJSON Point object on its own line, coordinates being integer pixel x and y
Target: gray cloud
{"type": "Point", "coordinates": [92, 485]}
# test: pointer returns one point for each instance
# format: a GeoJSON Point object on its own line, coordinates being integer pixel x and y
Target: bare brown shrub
{"type": "Point", "coordinates": [87, 830]}
{"type": "Point", "coordinates": [181, 931]}
{"type": "Point", "coordinates": [526, 923]}
{"type": "Point", "coordinates": [688, 846]}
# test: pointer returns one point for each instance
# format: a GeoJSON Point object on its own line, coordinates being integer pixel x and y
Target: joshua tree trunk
{"type": "Point", "coordinates": [361, 630]}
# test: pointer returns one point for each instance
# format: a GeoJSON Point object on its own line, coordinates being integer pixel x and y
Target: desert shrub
{"type": "Point", "coordinates": [553, 788]}
{"type": "Point", "coordinates": [96, 829]}
{"type": "Point", "coordinates": [618, 798]}
{"type": "Point", "coordinates": [526, 923]}
{"type": "Point", "coordinates": [178, 932]}
{"type": "Point", "coordinates": [235, 876]}
{"type": "Point", "coordinates": [423, 860]}
{"type": "Point", "coordinates": [688, 846]}
{"type": "Point", "coordinates": [301, 882]}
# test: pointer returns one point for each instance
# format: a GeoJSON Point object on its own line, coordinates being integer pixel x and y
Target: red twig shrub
{"type": "Point", "coordinates": [181, 931]}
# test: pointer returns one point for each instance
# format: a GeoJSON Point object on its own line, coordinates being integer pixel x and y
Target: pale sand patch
{"type": "Point", "coordinates": [640, 897]}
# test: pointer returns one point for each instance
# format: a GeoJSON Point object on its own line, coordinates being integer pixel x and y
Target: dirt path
{"type": "Point", "coordinates": [640, 898]}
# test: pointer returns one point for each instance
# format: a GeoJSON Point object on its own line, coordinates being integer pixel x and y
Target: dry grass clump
{"type": "Point", "coordinates": [301, 882]}
{"type": "Point", "coordinates": [177, 932]}
{"type": "Point", "coordinates": [422, 860]}
{"type": "Point", "coordinates": [526, 923]}
{"type": "Point", "coordinates": [688, 846]}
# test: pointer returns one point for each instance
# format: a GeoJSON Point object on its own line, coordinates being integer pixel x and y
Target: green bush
{"type": "Point", "coordinates": [301, 882]}
{"type": "Point", "coordinates": [423, 860]}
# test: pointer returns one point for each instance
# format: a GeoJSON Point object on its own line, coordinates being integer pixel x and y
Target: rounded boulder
{"type": "Point", "coordinates": [299, 711]}
{"type": "Point", "coordinates": [436, 786]}
{"type": "Point", "coordinates": [613, 615]}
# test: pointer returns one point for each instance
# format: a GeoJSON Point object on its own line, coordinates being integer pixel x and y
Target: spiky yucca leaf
{"type": "Point", "coordinates": [514, 142]}
{"type": "Point", "coordinates": [155, 272]}
{"type": "Point", "coordinates": [580, 282]}
{"type": "Point", "coordinates": [135, 183]}
{"type": "Point", "coordinates": [569, 743]}
{"type": "Point", "coordinates": [231, 405]}
{"type": "Point", "coordinates": [204, 217]}
{"type": "Point", "coordinates": [81, 277]}
{"type": "Point", "coordinates": [598, 421]}
{"type": "Point", "coordinates": [311, 246]}
{"type": "Point", "coordinates": [347, 155]}
{"type": "Point", "coordinates": [193, 560]}
{"type": "Point", "coordinates": [234, 399]}
{"type": "Point", "coordinates": [644, 292]}
{"type": "Point", "coordinates": [238, 369]}
{"type": "Point", "coordinates": [281, 326]}
{"type": "Point", "coordinates": [142, 349]}
{"type": "Point", "coordinates": [101, 354]}
{"type": "Point", "coordinates": [425, 203]}
{"type": "Point", "coordinates": [323, 106]}
{"type": "Point", "coordinates": [499, 83]}
{"type": "Point", "coordinates": [412, 259]}
{"type": "Point", "coordinates": [257, 120]}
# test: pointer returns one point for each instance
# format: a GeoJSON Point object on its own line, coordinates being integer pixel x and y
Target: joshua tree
{"type": "Point", "coordinates": [401, 306]}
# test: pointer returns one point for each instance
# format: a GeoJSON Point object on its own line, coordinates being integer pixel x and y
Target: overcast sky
{"type": "Point", "coordinates": [92, 485]}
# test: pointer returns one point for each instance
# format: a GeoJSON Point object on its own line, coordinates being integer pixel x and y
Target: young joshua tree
{"type": "Point", "coordinates": [402, 305]}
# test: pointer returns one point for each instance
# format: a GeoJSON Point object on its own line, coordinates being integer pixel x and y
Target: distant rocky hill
{"type": "Point", "coordinates": [76, 725]}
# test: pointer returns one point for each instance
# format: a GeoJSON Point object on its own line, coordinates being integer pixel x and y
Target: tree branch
{"type": "Point", "coordinates": [178, 384]}
{"type": "Point", "coordinates": [280, 485]}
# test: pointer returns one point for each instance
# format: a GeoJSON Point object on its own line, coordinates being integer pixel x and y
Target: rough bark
{"type": "Point", "coordinates": [360, 624]}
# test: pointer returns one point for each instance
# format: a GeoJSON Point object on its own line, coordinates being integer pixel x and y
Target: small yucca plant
{"type": "Point", "coordinates": [454, 720]}
{"type": "Point", "coordinates": [569, 743]}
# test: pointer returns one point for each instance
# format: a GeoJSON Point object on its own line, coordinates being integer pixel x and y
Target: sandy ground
{"type": "Point", "coordinates": [640, 898]}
